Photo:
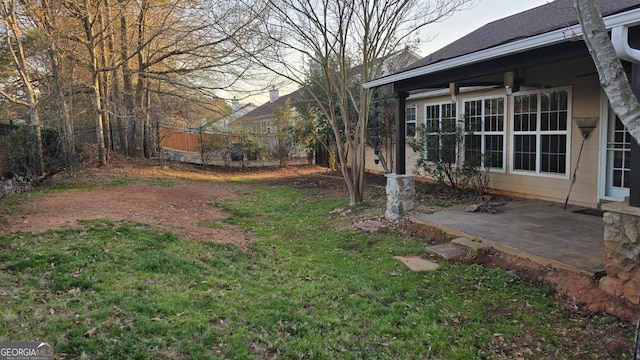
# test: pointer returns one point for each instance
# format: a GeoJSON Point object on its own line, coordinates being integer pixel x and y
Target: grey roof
{"type": "Point", "coordinates": [551, 16]}
{"type": "Point", "coordinates": [268, 108]}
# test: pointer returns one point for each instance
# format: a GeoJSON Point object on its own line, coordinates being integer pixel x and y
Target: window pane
{"type": "Point", "coordinates": [626, 176]}
{"type": "Point", "coordinates": [617, 178]}
{"type": "Point", "coordinates": [517, 122]}
{"type": "Point", "coordinates": [448, 110]}
{"type": "Point", "coordinates": [544, 121]}
{"type": "Point", "coordinates": [432, 118]}
{"type": "Point", "coordinates": [627, 160]}
{"type": "Point", "coordinates": [473, 149]}
{"type": "Point", "coordinates": [525, 152]}
{"type": "Point", "coordinates": [617, 159]}
{"type": "Point", "coordinates": [411, 129]}
{"type": "Point", "coordinates": [433, 153]}
{"type": "Point", "coordinates": [553, 154]}
{"type": "Point", "coordinates": [448, 148]}
{"type": "Point", "coordinates": [448, 125]}
{"type": "Point", "coordinates": [493, 150]}
{"type": "Point", "coordinates": [410, 117]}
{"type": "Point", "coordinates": [410, 114]}
{"type": "Point", "coordinates": [563, 99]}
{"type": "Point", "coordinates": [533, 122]}
{"type": "Point", "coordinates": [562, 121]}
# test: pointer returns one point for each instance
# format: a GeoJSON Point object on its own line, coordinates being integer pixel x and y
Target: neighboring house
{"type": "Point", "coordinates": [530, 81]}
{"type": "Point", "coordinates": [237, 112]}
{"type": "Point", "coordinates": [261, 119]}
{"type": "Point", "coordinates": [260, 126]}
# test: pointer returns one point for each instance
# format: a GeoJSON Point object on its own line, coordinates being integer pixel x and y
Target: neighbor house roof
{"type": "Point", "coordinates": [544, 25]}
{"type": "Point", "coordinates": [269, 108]}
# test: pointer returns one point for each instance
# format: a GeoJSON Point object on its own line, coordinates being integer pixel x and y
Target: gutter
{"type": "Point", "coordinates": [550, 38]}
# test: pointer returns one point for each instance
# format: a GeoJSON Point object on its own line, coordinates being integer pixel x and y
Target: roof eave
{"type": "Point", "coordinates": [629, 18]}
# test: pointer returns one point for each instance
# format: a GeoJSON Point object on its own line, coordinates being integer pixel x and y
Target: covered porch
{"type": "Point", "coordinates": [541, 231]}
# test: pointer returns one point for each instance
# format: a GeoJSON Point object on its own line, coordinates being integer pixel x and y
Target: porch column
{"type": "Point", "coordinates": [401, 190]}
{"type": "Point", "coordinates": [401, 105]}
{"type": "Point", "coordinates": [622, 251]}
{"type": "Point", "coordinates": [634, 176]}
{"type": "Point", "coordinates": [400, 186]}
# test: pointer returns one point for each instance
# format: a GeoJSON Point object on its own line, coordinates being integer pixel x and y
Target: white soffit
{"type": "Point", "coordinates": [628, 18]}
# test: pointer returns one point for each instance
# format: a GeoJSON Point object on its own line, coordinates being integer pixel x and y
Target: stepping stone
{"type": "Point", "coordinates": [446, 251]}
{"type": "Point", "coordinates": [416, 263]}
{"type": "Point", "coordinates": [370, 225]}
{"type": "Point", "coordinates": [470, 244]}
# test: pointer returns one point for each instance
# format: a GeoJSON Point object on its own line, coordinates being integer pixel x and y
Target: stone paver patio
{"type": "Point", "coordinates": [539, 230]}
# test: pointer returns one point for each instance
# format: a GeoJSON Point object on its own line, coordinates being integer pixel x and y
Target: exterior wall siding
{"type": "Point", "coordinates": [580, 78]}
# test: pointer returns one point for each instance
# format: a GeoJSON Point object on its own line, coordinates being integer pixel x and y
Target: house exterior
{"type": "Point", "coordinates": [237, 112]}
{"type": "Point", "coordinates": [261, 119]}
{"type": "Point", "coordinates": [259, 129]}
{"type": "Point", "coordinates": [529, 84]}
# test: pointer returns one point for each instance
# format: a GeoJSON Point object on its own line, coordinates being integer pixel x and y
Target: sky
{"type": "Point", "coordinates": [466, 21]}
{"type": "Point", "coordinates": [459, 24]}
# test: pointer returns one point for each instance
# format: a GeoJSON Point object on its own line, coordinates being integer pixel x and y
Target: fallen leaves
{"type": "Point", "coordinates": [91, 332]}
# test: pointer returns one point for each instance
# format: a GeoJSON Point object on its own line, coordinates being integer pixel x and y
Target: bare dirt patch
{"type": "Point", "coordinates": [175, 197]}
{"type": "Point", "coordinates": [183, 208]}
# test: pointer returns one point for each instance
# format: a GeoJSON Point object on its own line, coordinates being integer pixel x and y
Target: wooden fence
{"type": "Point", "coordinates": [190, 141]}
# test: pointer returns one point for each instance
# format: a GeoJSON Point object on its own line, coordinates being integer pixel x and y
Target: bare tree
{"type": "Point", "coordinates": [123, 58]}
{"type": "Point", "coordinates": [14, 38]}
{"type": "Point", "coordinates": [613, 78]}
{"type": "Point", "coordinates": [333, 36]}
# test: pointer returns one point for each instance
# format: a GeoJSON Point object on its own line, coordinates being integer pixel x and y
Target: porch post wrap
{"type": "Point", "coordinates": [401, 105]}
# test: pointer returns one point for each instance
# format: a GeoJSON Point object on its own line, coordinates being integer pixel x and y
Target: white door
{"type": "Point", "coordinates": [618, 161]}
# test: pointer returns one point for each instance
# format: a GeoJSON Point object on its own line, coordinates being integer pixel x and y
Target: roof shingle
{"type": "Point", "coordinates": [552, 16]}
{"type": "Point", "coordinates": [269, 108]}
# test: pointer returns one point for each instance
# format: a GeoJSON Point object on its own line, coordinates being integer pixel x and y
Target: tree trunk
{"type": "Point", "coordinates": [88, 22]}
{"type": "Point", "coordinates": [613, 78]}
{"type": "Point", "coordinates": [127, 96]}
{"type": "Point", "coordinates": [17, 53]}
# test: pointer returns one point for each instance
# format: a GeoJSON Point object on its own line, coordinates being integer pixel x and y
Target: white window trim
{"type": "Point", "coordinates": [439, 104]}
{"type": "Point", "coordinates": [414, 122]}
{"type": "Point", "coordinates": [504, 132]}
{"type": "Point", "coordinates": [538, 133]}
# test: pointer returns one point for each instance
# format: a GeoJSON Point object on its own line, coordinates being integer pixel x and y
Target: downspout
{"type": "Point", "coordinates": [620, 41]}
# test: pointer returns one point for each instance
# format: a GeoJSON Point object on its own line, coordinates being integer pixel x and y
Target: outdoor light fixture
{"type": "Point", "coordinates": [509, 82]}
{"type": "Point", "coordinates": [508, 90]}
{"type": "Point", "coordinates": [454, 90]}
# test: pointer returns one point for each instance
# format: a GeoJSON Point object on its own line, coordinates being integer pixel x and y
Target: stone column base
{"type": "Point", "coordinates": [401, 190]}
{"type": "Point", "coordinates": [622, 251]}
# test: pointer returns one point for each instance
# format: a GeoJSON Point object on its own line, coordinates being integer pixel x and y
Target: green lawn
{"type": "Point", "coordinates": [303, 291]}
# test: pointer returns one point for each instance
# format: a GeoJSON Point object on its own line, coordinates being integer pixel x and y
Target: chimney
{"type": "Point", "coordinates": [273, 95]}
{"type": "Point", "coordinates": [235, 105]}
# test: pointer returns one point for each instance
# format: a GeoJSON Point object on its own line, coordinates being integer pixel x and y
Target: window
{"type": "Point", "coordinates": [411, 115]}
{"type": "Point", "coordinates": [540, 132]}
{"type": "Point", "coordinates": [484, 131]}
{"type": "Point", "coordinates": [440, 124]}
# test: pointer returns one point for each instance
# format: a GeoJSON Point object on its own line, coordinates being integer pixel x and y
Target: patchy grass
{"type": "Point", "coordinates": [211, 224]}
{"type": "Point", "coordinates": [305, 290]}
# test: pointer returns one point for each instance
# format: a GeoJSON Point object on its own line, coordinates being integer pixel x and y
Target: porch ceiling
{"type": "Point", "coordinates": [491, 72]}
